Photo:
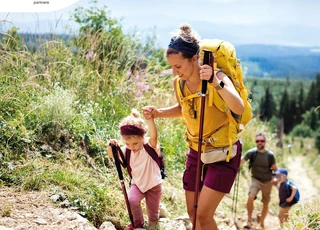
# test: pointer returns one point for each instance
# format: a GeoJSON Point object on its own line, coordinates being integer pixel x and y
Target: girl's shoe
{"type": "Point", "coordinates": [129, 227]}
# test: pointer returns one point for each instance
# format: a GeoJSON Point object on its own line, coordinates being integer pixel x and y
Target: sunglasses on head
{"type": "Point", "coordinates": [258, 141]}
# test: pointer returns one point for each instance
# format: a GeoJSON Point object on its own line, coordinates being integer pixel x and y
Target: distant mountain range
{"type": "Point", "coordinates": [279, 61]}
{"type": "Point", "coordinates": [272, 61]}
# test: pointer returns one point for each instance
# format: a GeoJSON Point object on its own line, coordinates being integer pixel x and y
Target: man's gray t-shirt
{"type": "Point", "coordinates": [260, 166]}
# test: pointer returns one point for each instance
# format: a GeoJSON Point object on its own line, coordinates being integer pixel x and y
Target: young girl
{"type": "Point", "coordinates": [146, 177]}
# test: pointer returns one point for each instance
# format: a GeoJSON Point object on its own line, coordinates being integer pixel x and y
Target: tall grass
{"type": "Point", "coordinates": [60, 102]}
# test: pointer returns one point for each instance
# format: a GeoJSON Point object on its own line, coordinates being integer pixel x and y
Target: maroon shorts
{"type": "Point", "coordinates": [218, 176]}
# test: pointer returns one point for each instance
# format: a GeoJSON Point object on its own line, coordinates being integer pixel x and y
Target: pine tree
{"type": "Point", "coordinates": [267, 106]}
{"type": "Point", "coordinates": [300, 105]}
{"type": "Point", "coordinates": [290, 116]}
{"type": "Point", "coordinates": [318, 92]}
{"type": "Point", "coordinates": [312, 97]}
{"type": "Point", "coordinates": [284, 104]}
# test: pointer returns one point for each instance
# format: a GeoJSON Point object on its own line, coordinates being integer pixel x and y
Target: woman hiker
{"type": "Point", "coordinates": [217, 178]}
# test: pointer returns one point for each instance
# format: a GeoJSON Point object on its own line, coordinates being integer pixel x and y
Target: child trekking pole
{"type": "Point", "coordinates": [118, 166]}
{"type": "Point", "coordinates": [207, 61]}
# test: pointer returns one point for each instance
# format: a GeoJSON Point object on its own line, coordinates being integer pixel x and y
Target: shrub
{"type": "Point", "coordinates": [301, 131]}
{"type": "Point", "coordinates": [317, 140]}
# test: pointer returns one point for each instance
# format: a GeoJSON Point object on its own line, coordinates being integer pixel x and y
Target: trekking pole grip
{"type": "Point", "coordinates": [206, 61]}
{"type": "Point", "coordinates": [117, 161]}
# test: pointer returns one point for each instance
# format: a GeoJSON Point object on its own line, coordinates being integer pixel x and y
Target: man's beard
{"type": "Point", "coordinates": [260, 147]}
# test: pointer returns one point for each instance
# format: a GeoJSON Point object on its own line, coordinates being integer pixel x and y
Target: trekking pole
{"type": "Point", "coordinates": [207, 61]}
{"type": "Point", "coordinates": [235, 196]}
{"type": "Point", "coordinates": [118, 166]}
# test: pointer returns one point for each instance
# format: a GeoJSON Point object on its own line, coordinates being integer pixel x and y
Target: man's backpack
{"type": "Point", "coordinates": [155, 157]}
{"type": "Point", "coordinates": [254, 156]}
{"type": "Point", "coordinates": [296, 197]}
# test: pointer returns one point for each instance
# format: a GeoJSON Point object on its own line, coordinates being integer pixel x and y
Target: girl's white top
{"type": "Point", "coordinates": [145, 171]}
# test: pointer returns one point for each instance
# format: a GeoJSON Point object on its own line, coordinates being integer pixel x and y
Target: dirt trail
{"type": "Point", "coordinates": [299, 175]}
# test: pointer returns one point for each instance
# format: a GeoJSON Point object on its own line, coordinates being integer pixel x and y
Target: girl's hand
{"type": "Point", "coordinates": [113, 142]}
{"type": "Point", "coordinates": [149, 112]}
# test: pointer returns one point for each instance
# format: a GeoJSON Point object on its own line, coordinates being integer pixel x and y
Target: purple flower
{"type": "Point", "coordinates": [143, 87]}
{"type": "Point", "coordinates": [166, 72]}
{"type": "Point", "coordinates": [139, 94]}
{"type": "Point", "coordinates": [129, 74]}
{"type": "Point", "coordinates": [137, 77]}
{"type": "Point", "coordinates": [89, 55]}
{"type": "Point", "coordinates": [140, 84]}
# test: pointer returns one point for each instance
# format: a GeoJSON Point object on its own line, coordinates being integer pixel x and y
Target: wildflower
{"type": "Point", "coordinates": [137, 77]}
{"type": "Point", "coordinates": [129, 74]}
{"type": "Point", "coordinates": [143, 87]}
{"type": "Point", "coordinates": [89, 55]}
{"type": "Point", "coordinates": [139, 94]}
{"type": "Point", "coordinates": [166, 72]}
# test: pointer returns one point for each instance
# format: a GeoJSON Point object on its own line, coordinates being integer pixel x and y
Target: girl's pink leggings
{"type": "Point", "coordinates": [153, 197]}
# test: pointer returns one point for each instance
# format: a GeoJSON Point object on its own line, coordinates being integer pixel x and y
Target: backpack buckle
{"type": "Point", "coordinates": [211, 140]}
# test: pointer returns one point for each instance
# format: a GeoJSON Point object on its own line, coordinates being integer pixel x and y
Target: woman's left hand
{"type": "Point", "coordinates": [205, 72]}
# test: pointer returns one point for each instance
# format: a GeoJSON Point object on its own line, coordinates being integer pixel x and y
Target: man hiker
{"type": "Point", "coordinates": [262, 164]}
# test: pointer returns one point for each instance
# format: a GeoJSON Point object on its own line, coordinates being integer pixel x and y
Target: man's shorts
{"type": "Point", "coordinates": [265, 188]}
{"type": "Point", "coordinates": [218, 176]}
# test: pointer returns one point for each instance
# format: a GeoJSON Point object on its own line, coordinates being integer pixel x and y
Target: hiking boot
{"type": "Point", "coordinates": [249, 225]}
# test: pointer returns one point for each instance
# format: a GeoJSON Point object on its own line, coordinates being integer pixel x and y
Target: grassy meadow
{"type": "Point", "coordinates": [61, 101]}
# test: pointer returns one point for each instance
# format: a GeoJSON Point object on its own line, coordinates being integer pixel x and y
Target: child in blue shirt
{"type": "Point", "coordinates": [287, 192]}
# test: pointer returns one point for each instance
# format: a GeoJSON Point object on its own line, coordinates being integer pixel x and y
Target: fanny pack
{"type": "Point", "coordinates": [218, 154]}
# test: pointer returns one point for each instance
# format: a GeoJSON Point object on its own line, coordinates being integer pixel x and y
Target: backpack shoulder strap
{"type": "Point", "coordinates": [181, 86]}
{"type": "Point", "coordinates": [288, 184]}
{"type": "Point", "coordinates": [180, 89]}
{"type": "Point", "coordinates": [253, 157]}
{"type": "Point", "coordinates": [152, 153]}
{"type": "Point", "coordinates": [270, 158]}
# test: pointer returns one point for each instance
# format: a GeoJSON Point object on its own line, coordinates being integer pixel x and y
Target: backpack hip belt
{"type": "Point", "coordinates": [223, 137]}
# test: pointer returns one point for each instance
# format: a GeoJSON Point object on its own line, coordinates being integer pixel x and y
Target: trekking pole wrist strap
{"type": "Point", "coordinates": [211, 78]}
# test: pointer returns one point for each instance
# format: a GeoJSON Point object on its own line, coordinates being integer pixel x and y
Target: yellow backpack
{"type": "Point", "coordinates": [225, 57]}
{"type": "Point", "coordinates": [225, 60]}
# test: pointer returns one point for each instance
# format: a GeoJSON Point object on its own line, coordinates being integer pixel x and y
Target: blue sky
{"type": "Point", "coordinates": [282, 22]}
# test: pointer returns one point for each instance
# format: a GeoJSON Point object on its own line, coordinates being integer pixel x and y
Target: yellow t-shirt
{"type": "Point", "coordinates": [216, 123]}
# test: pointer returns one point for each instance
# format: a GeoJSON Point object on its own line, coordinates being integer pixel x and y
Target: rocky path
{"type": "Point", "coordinates": [35, 210]}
